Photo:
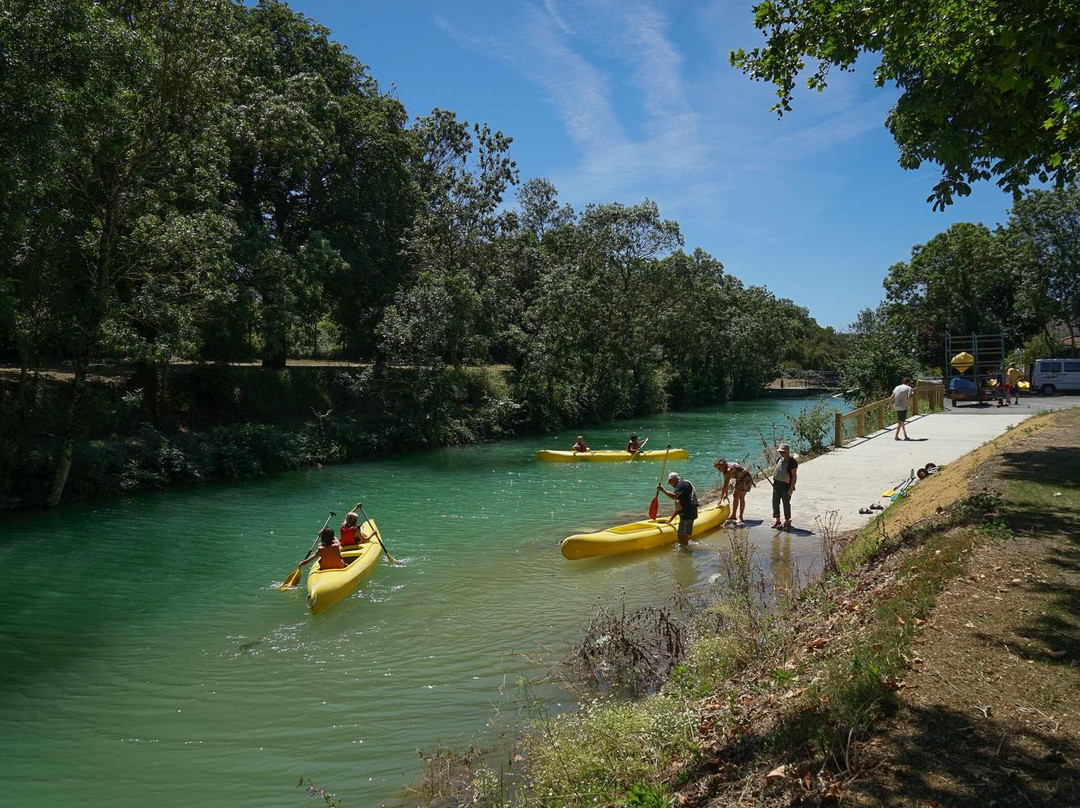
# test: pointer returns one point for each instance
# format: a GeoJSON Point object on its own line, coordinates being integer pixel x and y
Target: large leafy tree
{"type": "Point", "coordinates": [111, 119]}
{"type": "Point", "coordinates": [989, 88]}
{"type": "Point", "coordinates": [881, 356]}
{"type": "Point", "coordinates": [447, 309]}
{"type": "Point", "coordinates": [962, 281]}
{"type": "Point", "coordinates": [319, 163]}
{"type": "Point", "coordinates": [1045, 226]}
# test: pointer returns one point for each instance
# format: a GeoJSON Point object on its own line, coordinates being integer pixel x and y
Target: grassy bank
{"type": "Point", "coordinates": [935, 664]}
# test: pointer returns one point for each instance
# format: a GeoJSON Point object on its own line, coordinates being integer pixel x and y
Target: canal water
{"type": "Point", "coordinates": [147, 657]}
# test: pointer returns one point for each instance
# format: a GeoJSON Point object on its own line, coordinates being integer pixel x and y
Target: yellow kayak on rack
{"type": "Point", "coordinates": [326, 588]}
{"type": "Point", "coordinates": [558, 456]}
{"type": "Point", "coordinates": [641, 535]}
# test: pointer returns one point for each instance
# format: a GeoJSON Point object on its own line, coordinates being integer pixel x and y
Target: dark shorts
{"type": "Point", "coordinates": [901, 416]}
{"type": "Point", "coordinates": [686, 527]}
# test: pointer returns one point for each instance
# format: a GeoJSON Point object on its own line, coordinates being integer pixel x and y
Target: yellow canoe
{"type": "Point", "coordinates": [641, 535]}
{"type": "Point", "coordinates": [326, 588]}
{"type": "Point", "coordinates": [558, 456]}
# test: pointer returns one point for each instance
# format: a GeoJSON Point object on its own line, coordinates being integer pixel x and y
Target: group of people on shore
{"type": "Point", "coordinates": [736, 477]}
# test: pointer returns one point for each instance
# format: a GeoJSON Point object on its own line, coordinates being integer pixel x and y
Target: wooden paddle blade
{"type": "Point", "coordinates": [291, 581]}
{"type": "Point", "coordinates": [654, 506]}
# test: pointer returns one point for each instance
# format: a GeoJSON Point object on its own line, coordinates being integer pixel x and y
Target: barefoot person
{"type": "Point", "coordinates": [743, 481]}
{"type": "Point", "coordinates": [784, 476]}
{"type": "Point", "coordinates": [686, 504]}
{"type": "Point", "coordinates": [901, 396]}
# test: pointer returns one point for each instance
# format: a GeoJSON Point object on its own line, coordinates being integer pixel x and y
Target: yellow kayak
{"type": "Point", "coordinates": [641, 535]}
{"type": "Point", "coordinates": [326, 588]}
{"type": "Point", "coordinates": [558, 456]}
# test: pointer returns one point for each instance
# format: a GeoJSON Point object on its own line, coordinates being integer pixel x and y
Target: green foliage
{"type": "Point", "coordinates": [812, 426]}
{"type": "Point", "coordinates": [599, 754]}
{"type": "Point", "coordinates": [986, 89]}
{"type": "Point", "coordinates": [962, 281]}
{"type": "Point", "coordinates": [881, 357]}
{"type": "Point", "coordinates": [643, 795]}
{"type": "Point", "coordinates": [1045, 226]}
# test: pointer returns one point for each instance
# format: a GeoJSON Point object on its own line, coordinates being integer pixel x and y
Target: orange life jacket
{"type": "Point", "coordinates": [330, 558]}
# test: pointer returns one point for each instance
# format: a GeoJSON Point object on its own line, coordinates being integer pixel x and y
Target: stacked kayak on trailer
{"type": "Point", "coordinates": [641, 535]}
{"type": "Point", "coordinates": [558, 456]}
{"type": "Point", "coordinates": [326, 588]}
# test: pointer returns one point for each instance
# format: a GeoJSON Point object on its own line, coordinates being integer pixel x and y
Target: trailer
{"type": "Point", "coordinates": [975, 368]}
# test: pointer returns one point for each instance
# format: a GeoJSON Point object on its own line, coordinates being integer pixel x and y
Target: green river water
{"type": "Point", "coordinates": [148, 659]}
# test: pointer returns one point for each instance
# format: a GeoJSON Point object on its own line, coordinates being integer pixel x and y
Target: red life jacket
{"type": "Point", "coordinates": [348, 535]}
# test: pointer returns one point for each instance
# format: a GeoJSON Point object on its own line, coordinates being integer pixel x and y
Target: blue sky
{"type": "Point", "coordinates": [622, 100]}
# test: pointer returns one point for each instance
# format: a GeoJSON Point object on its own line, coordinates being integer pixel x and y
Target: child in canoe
{"type": "Point", "coordinates": [328, 552]}
{"type": "Point", "coordinates": [351, 534]}
{"type": "Point", "coordinates": [580, 445]}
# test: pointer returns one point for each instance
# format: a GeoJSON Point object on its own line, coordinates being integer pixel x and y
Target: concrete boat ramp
{"type": "Point", "coordinates": [845, 480]}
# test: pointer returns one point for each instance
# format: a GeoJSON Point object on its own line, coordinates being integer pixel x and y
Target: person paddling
{"type": "Point", "coordinates": [634, 446]}
{"type": "Point", "coordinates": [350, 529]}
{"type": "Point", "coordinates": [580, 445]}
{"type": "Point", "coordinates": [328, 552]}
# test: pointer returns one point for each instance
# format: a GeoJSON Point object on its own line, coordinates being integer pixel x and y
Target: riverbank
{"type": "Point", "coordinates": [934, 663]}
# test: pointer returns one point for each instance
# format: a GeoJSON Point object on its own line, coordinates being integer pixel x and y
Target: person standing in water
{"type": "Point", "coordinates": [784, 476]}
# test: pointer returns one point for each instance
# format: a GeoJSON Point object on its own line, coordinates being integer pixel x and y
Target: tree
{"type": "Point", "coordinates": [962, 281]}
{"type": "Point", "coordinates": [881, 356]}
{"type": "Point", "coordinates": [1045, 226]}
{"type": "Point", "coordinates": [111, 119]}
{"type": "Point", "coordinates": [446, 311]}
{"type": "Point", "coordinates": [988, 88]}
{"type": "Point", "coordinates": [320, 167]}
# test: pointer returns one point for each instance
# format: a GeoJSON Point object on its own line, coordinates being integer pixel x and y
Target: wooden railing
{"type": "Point", "coordinates": [928, 397]}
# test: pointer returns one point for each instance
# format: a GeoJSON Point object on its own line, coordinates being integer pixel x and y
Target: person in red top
{"type": "Point", "coordinates": [580, 445]}
{"type": "Point", "coordinates": [350, 529]}
{"type": "Point", "coordinates": [328, 552]}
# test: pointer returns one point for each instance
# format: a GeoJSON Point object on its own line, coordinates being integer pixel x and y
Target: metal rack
{"type": "Point", "coordinates": [988, 365]}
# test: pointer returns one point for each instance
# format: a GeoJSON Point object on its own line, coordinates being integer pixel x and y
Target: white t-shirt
{"type": "Point", "coordinates": [901, 394]}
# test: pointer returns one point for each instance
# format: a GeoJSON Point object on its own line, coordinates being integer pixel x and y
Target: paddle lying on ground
{"type": "Point", "coordinates": [654, 506]}
{"type": "Point", "coordinates": [294, 577]}
{"type": "Point", "coordinates": [893, 490]}
{"type": "Point", "coordinates": [378, 538]}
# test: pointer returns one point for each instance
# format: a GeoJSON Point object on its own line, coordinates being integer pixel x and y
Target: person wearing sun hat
{"type": "Point", "coordinates": [686, 504]}
{"type": "Point", "coordinates": [783, 480]}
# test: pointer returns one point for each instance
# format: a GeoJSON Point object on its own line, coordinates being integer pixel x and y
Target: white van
{"type": "Point", "coordinates": [1052, 375]}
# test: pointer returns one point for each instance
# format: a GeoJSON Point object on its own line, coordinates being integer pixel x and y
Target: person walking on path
{"type": "Point", "coordinates": [743, 480]}
{"type": "Point", "coordinates": [901, 398]}
{"type": "Point", "coordinates": [686, 504]}
{"type": "Point", "coordinates": [1012, 376]}
{"type": "Point", "coordinates": [783, 480]}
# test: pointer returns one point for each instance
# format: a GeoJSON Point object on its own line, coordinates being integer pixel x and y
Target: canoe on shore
{"type": "Point", "coordinates": [326, 588]}
{"type": "Point", "coordinates": [640, 535]}
{"type": "Point", "coordinates": [559, 456]}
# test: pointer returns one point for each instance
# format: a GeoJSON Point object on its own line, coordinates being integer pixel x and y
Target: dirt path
{"type": "Point", "coordinates": [991, 712]}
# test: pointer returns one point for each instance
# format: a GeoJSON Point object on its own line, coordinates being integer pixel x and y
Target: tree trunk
{"type": "Point", "coordinates": [67, 440]}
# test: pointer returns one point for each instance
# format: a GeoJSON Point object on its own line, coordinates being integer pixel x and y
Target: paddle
{"type": "Point", "coordinates": [654, 506]}
{"type": "Point", "coordinates": [641, 447]}
{"type": "Point", "coordinates": [378, 538]}
{"type": "Point", "coordinates": [892, 490]}
{"type": "Point", "coordinates": [294, 577]}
